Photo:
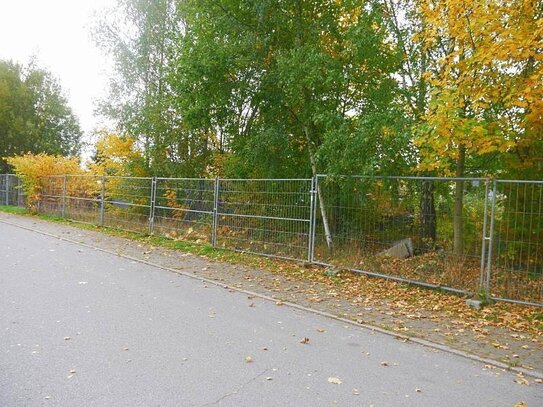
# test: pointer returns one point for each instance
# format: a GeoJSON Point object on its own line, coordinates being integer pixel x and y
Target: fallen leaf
{"type": "Point", "coordinates": [304, 340]}
{"type": "Point", "coordinates": [334, 380]}
{"type": "Point", "coordinates": [522, 380]}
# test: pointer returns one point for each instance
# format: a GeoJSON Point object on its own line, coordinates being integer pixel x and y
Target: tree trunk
{"type": "Point", "coordinates": [327, 234]}
{"type": "Point", "coordinates": [428, 216]}
{"type": "Point", "coordinates": [427, 204]}
{"type": "Point", "coordinates": [458, 242]}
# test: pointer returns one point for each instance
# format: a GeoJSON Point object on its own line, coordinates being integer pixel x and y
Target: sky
{"type": "Point", "coordinates": [57, 32]}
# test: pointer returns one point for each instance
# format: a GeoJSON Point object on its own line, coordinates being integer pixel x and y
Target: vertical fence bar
{"type": "Point", "coordinates": [484, 239]}
{"type": "Point", "coordinates": [312, 215]}
{"type": "Point", "coordinates": [63, 207]}
{"type": "Point", "coordinates": [19, 186]}
{"type": "Point", "coordinates": [316, 203]}
{"type": "Point", "coordinates": [102, 201]}
{"type": "Point", "coordinates": [152, 206]}
{"type": "Point", "coordinates": [215, 212]}
{"type": "Point", "coordinates": [490, 239]}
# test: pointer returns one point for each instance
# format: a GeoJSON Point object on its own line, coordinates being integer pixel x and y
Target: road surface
{"type": "Point", "coordinates": [80, 327]}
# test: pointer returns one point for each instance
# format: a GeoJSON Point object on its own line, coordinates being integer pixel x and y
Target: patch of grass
{"type": "Point", "coordinates": [14, 209]}
{"type": "Point", "coordinates": [511, 363]}
{"type": "Point", "coordinates": [494, 317]}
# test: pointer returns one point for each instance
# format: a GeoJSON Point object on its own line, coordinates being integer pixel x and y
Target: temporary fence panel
{"type": "Point", "coordinates": [515, 263]}
{"type": "Point", "coordinates": [82, 200]}
{"type": "Point", "coordinates": [4, 189]}
{"type": "Point", "coordinates": [50, 198]}
{"type": "Point", "coordinates": [11, 190]}
{"type": "Point", "coordinates": [403, 228]}
{"type": "Point", "coordinates": [266, 216]}
{"type": "Point", "coordinates": [127, 203]}
{"type": "Point", "coordinates": [183, 208]}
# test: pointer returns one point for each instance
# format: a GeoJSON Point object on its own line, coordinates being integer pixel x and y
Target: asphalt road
{"type": "Point", "coordinates": [80, 327]}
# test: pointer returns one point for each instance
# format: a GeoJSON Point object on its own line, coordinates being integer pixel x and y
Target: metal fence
{"type": "Point", "coordinates": [468, 235]}
{"type": "Point", "coordinates": [11, 191]}
{"type": "Point", "coordinates": [403, 228]}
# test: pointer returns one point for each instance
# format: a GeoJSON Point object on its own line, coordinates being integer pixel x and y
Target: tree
{"type": "Point", "coordinates": [139, 34]}
{"type": "Point", "coordinates": [16, 113]}
{"type": "Point", "coordinates": [486, 86]}
{"type": "Point", "coordinates": [290, 89]}
{"type": "Point", "coordinates": [117, 156]}
{"type": "Point", "coordinates": [34, 114]}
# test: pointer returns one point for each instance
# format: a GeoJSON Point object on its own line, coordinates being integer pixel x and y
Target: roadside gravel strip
{"type": "Point", "coordinates": [138, 335]}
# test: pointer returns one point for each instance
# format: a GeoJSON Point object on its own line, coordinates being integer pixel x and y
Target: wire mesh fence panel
{"type": "Point", "coordinates": [270, 217]}
{"type": "Point", "coordinates": [83, 198]}
{"type": "Point", "coordinates": [18, 196]}
{"type": "Point", "coordinates": [127, 203]}
{"type": "Point", "coordinates": [184, 208]}
{"type": "Point", "coordinates": [50, 198]}
{"type": "Point", "coordinates": [404, 228]}
{"type": "Point", "coordinates": [517, 242]}
{"type": "Point", "coordinates": [4, 186]}
{"type": "Point", "coordinates": [11, 191]}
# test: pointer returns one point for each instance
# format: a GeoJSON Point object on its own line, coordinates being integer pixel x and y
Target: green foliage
{"type": "Point", "coordinates": [272, 90]}
{"type": "Point", "coordinates": [34, 114]}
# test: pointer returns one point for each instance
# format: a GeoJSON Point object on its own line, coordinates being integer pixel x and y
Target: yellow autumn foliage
{"type": "Point", "coordinates": [118, 156]}
{"type": "Point", "coordinates": [35, 169]}
{"type": "Point", "coordinates": [486, 79]}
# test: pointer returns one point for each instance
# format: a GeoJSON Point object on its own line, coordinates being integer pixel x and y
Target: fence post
{"type": "Point", "coordinates": [490, 239]}
{"type": "Point", "coordinates": [102, 201]}
{"type": "Point", "coordinates": [7, 189]}
{"type": "Point", "coordinates": [484, 239]}
{"type": "Point", "coordinates": [215, 212]}
{"type": "Point", "coordinates": [152, 206]}
{"type": "Point", "coordinates": [312, 216]}
{"type": "Point", "coordinates": [19, 186]}
{"type": "Point", "coordinates": [63, 208]}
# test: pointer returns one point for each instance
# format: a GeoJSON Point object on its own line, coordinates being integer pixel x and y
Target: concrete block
{"type": "Point", "coordinates": [474, 303]}
{"type": "Point", "coordinates": [401, 249]}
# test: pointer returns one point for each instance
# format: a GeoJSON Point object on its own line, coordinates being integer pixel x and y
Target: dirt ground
{"type": "Point", "coordinates": [507, 333]}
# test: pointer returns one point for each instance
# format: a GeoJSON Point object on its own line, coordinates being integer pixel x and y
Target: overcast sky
{"type": "Point", "coordinates": [57, 32]}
